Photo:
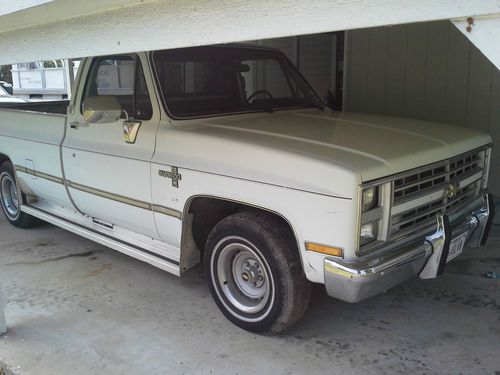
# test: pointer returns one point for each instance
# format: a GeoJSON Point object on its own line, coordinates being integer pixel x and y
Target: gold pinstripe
{"type": "Point", "coordinates": [101, 193]}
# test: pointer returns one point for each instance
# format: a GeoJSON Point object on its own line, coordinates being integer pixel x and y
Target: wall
{"type": "Point", "coordinates": [316, 60]}
{"type": "Point", "coordinates": [314, 55]}
{"type": "Point", "coordinates": [427, 71]}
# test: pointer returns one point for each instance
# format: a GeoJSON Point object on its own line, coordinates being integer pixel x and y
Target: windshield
{"type": "Point", "coordinates": [3, 92]}
{"type": "Point", "coordinates": [211, 81]}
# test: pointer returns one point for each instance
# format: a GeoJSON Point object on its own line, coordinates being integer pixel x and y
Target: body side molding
{"type": "Point", "coordinates": [118, 198]}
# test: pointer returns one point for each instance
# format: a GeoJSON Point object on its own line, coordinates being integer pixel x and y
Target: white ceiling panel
{"type": "Point", "coordinates": [74, 28]}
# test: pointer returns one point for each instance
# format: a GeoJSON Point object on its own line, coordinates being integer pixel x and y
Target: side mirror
{"type": "Point", "coordinates": [101, 109]}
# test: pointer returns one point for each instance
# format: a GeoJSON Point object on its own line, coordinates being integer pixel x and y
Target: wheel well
{"type": "Point", "coordinates": [3, 158]}
{"type": "Point", "coordinates": [203, 213]}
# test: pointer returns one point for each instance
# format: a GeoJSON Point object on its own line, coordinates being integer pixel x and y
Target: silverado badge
{"type": "Point", "coordinates": [174, 175]}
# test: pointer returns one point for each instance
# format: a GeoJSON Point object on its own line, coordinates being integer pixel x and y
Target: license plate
{"type": "Point", "coordinates": [456, 246]}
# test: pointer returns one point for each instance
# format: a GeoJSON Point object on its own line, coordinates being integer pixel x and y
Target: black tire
{"type": "Point", "coordinates": [255, 274]}
{"type": "Point", "coordinates": [9, 199]}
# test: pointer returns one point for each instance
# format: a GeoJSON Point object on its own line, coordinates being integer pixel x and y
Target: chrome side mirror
{"type": "Point", "coordinates": [101, 109]}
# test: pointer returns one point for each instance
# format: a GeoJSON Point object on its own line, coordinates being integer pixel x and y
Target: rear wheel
{"type": "Point", "coordinates": [10, 200]}
{"type": "Point", "coordinates": [255, 274]}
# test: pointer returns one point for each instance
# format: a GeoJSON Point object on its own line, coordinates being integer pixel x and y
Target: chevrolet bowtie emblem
{"type": "Point", "coordinates": [451, 190]}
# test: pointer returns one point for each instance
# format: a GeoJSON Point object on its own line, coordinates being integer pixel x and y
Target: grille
{"type": "Point", "coordinates": [426, 180]}
{"type": "Point", "coordinates": [434, 179]}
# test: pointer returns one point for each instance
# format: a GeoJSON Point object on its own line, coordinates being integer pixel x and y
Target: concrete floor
{"type": "Point", "coordinates": [75, 307]}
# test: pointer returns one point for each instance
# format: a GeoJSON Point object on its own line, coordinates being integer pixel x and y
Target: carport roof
{"type": "Point", "coordinates": [46, 29]}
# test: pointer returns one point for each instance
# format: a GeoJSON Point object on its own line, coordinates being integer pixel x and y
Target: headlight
{"type": "Point", "coordinates": [369, 232]}
{"type": "Point", "coordinates": [369, 198]}
{"type": "Point", "coordinates": [375, 206]}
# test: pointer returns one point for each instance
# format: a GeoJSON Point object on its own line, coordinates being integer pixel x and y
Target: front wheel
{"type": "Point", "coordinates": [10, 200]}
{"type": "Point", "coordinates": [255, 274]}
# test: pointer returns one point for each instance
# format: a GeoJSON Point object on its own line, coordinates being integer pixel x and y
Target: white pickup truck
{"type": "Point", "coordinates": [224, 155]}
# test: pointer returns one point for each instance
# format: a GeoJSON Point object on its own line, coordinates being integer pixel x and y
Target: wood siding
{"type": "Point", "coordinates": [315, 60]}
{"type": "Point", "coordinates": [314, 55]}
{"type": "Point", "coordinates": [428, 71]}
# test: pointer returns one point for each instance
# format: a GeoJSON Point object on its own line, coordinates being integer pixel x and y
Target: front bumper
{"type": "Point", "coordinates": [353, 282]}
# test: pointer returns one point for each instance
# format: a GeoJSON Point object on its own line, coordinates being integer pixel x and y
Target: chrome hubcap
{"type": "Point", "coordinates": [243, 278]}
{"type": "Point", "coordinates": [248, 274]}
{"type": "Point", "coordinates": [9, 195]}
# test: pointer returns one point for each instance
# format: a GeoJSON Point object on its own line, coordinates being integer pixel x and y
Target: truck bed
{"type": "Point", "coordinates": [55, 107]}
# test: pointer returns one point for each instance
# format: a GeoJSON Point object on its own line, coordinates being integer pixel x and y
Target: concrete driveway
{"type": "Point", "coordinates": [75, 307]}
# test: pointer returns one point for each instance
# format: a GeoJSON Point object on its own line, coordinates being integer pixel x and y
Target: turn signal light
{"type": "Point", "coordinates": [328, 250]}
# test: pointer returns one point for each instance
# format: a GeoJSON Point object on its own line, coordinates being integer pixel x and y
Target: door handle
{"type": "Point", "coordinates": [76, 124]}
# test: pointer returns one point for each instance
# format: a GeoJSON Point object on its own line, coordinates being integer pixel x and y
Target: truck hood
{"type": "Point", "coordinates": [372, 145]}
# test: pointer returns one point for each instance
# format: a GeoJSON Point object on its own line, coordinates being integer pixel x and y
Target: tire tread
{"type": "Point", "coordinates": [24, 221]}
{"type": "Point", "coordinates": [296, 289]}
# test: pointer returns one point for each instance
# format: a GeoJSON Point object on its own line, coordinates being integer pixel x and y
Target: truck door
{"type": "Point", "coordinates": [107, 160]}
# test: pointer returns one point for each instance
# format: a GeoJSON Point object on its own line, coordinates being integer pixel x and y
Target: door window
{"type": "Point", "coordinates": [123, 78]}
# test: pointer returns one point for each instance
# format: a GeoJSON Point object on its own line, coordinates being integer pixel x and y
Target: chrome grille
{"type": "Point", "coordinates": [428, 179]}
{"type": "Point", "coordinates": [432, 181]}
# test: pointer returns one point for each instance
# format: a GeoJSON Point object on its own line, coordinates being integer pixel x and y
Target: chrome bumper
{"type": "Point", "coordinates": [353, 282]}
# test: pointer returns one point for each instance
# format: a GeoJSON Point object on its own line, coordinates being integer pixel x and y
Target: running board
{"type": "Point", "coordinates": [106, 240]}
